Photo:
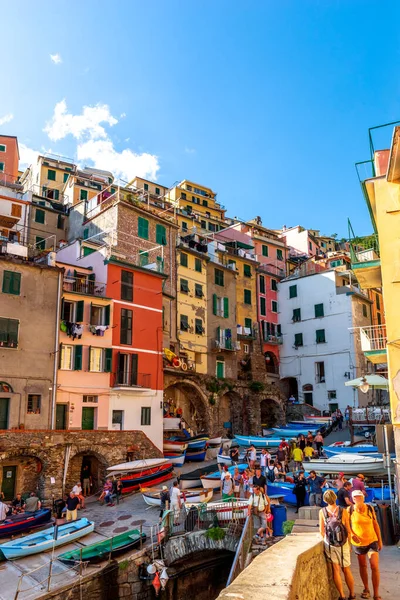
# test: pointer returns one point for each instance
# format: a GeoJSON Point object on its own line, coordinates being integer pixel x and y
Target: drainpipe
{"type": "Point", "coordinates": [56, 357]}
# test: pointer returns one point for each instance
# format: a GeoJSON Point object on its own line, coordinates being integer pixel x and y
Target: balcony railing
{"type": "Point", "coordinates": [273, 339]}
{"type": "Point", "coordinates": [84, 286]}
{"type": "Point", "coordinates": [270, 268]}
{"type": "Point", "coordinates": [373, 338]}
{"type": "Point", "coordinates": [364, 249]}
{"type": "Point", "coordinates": [225, 344]}
{"type": "Point", "coordinates": [129, 379]}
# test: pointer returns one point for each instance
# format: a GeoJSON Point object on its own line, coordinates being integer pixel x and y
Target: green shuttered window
{"type": "Point", "coordinates": [11, 283]}
{"type": "Point", "coordinates": [143, 228]}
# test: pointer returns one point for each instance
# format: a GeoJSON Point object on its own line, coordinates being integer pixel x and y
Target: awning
{"type": "Point", "coordinates": [237, 244]}
{"type": "Point", "coordinates": [374, 381]}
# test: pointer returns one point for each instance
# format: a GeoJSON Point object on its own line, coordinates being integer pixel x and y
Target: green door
{"type": "Point", "coordinates": [220, 369]}
{"type": "Point", "coordinates": [87, 417]}
{"type": "Point", "coordinates": [61, 416]}
{"type": "Point", "coordinates": [8, 485]}
{"type": "Point", "coordinates": [4, 402]}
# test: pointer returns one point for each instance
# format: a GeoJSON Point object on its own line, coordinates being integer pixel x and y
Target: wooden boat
{"type": "Point", "coordinates": [47, 539]}
{"type": "Point", "coordinates": [292, 432]}
{"type": "Point", "coordinates": [196, 496]}
{"type": "Point", "coordinates": [260, 442]}
{"type": "Point", "coordinates": [213, 480]}
{"type": "Point", "coordinates": [195, 455]}
{"type": "Point", "coordinates": [174, 445]}
{"type": "Point", "coordinates": [176, 458]}
{"type": "Point", "coordinates": [359, 449]}
{"type": "Point", "coordinates": [110, 548]}
{"type": "Point", "coordinates": [137, 465]}
{"type": "Point", "coordinates": [24, 522]}
{"type": "Point", "coordinates": [285, 489]}
{"type": "Point", "coordinates": [215, 441]}
{"type": "Point", "coordinates": [348, 463]}
{"type": "Point", "coordinates": [317, 419]}
{"type": "Point", "coordinates": [192, 479]}
{"type": "Point", "coordinates": [199, 444]}
{"type": "Point", "coordinates": [224, 460]}
{"type": "Point", "coordinates": [132, 481]}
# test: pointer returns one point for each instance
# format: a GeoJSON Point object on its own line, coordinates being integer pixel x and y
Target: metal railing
{"type": "Point", "coordinates": [81, 285]}
{"type": "Point", "coordinates": [129, 379]}
{"type": "Point", "coordinates": [242, 551]}
{"type": "Point", "coordinates": [373, 337]}
{"type": "Point", "coordinates": [273, 339]}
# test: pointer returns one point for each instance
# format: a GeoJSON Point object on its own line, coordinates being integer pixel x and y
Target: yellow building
{"type": "Point", "coordinates": [376, 261]}
{"type": "Point", "coordinates": [48, 176]}
{"type": "Point", "coordinates": [192, 307]}
{"type": "Point", "coordinates": [85, 184]}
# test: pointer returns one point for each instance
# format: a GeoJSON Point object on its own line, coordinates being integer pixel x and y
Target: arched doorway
{"type": "Point", "coordinates": [308, 393]}
{"type": "Point", "coordinates": [21, 474]}
{"type": "Point", "coordinates": [271, 363]}
{"type": "Point", "coordinates": [91, 463]}
{"type": "Point", "coordinates": [188, 397]}
{"type": "Point", "coordinates": [289, 387]}
{"type": "Point", "coordinates": [271, 413]}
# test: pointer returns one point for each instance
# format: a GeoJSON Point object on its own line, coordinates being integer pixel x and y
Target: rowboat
{"type": "Point", "coordinates": [132, 481]}
{"type": "Point", "coordinates": [317, 418]}
{"type": "Point", "coordinates": [110, 548]}
{"type": "Point", "coordinates": [45, 540]}
{"type": "Point", "coordinates": [359, 449]}
{"type": "Point", "coordinates": [176, 458]}
{"type": "Point", "coordinates": [24, 522]}
{"type": "Point", "coordinates": [215, 441]}
{"type": "Point", "coordinates": [260, 442]}
{"type": "Point", "coordinates": [348, 463]}
{"type": "Point", "coordinates": [174, 445]}
{"type": "Point", "coordinates": [224, 460]}
{"type": "Point", "coordinates": [285, 489]}
{"type": "Point", "coordinates": [282, 432]}
{"type": "Point", "coordinates": [195, 455]}
{"type": "Point", "coordinates": [213, 480]}
{"type": "Point", "coordinates": [195, 496]}
{"type": "Point", "coordinates": [192, 479]}
{"type": "Point", "coordinates": [137, 465]}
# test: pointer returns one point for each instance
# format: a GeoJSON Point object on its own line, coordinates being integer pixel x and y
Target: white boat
{"type": "Point", "coordinates": [216, 441]}
{"type": "Point", "coordinates": [138, 465]}
{"type": "Point", "coordinates": [171, 423]}
{"type": "Point", "coordinates": [196, 496]}
{"type": "Point", "coordinates": [52, 537]}
{"type": "Point", "coordinates": [177, 460]}
{"type": "Point", "coordinates": [348, 463]}
{"type": "Point", "coordinates": [175, 446]}
{"type": "Point", "coordinates": [222, 459]}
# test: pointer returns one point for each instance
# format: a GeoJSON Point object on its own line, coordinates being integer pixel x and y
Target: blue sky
{"type": "Point", "coordinates": [268, 103]}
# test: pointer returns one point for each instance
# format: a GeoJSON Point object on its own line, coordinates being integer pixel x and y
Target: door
{"type": "Point", "coordinates": [220, 369]}
{"type": "Point", "coordinates": [61, 416]}
{"type": "Point", "coordinates": [4, 403]}
{"type": "Point", "coordinates": [308, 399]}
{"type": "Point", "coordinates": [8, 485]}
{"type": "Point", "coordinates": [333, 406]}
{"type": "Point", "coordinates": [87, 417]}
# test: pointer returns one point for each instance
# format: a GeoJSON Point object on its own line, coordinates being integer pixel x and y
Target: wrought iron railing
{"type": "Point", "coordinates": [242, 551]}
{"type": "Point", "coordinates": [84, 286]}
{"type": "Point", "coordinates": [129, 379]}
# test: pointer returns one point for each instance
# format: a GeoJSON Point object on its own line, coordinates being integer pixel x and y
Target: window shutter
{"type": "Point", "coordinates": [59, 356]}
{"type": "Point", "coordinates": [90, 313]}
{"type": "Point", "coordinates": [134, 369]}
{"type": "Point", "coordinates": [16, 284]}
{"type": "Point", "coordinates": [7, 282]}
{"type": "Point", "coordinates": [90, 357]}
{"type": "Point", "coordinates": [107, 314]}
{"type": "Point", "coordinates": [218, 334]}
{"type": "Point", "coordinates": [62, 309]}
{"type": "Point", "coordinates": [161, 235]}
{"type": "Point", "coordinates": [215, 304]}
{"type": "Point", "coordinates": [226, 308]}
{"type": "Point", "coordinates": [108, 360]}
{"type": "Point", "coordinates": [78, 358]}
{"type": "Point", "coordinates": [79, 311]}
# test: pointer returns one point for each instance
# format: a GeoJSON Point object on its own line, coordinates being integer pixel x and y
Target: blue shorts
{"type": "Point", "coordinates": [366, 549]}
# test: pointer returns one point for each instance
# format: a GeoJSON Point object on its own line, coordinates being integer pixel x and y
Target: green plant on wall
{"type": "Point", "coordinates": [215, 533]}
{"type": "Point", "coordinates": [256, 386]}
{"type": "Point", "coordinates": [287, 527]}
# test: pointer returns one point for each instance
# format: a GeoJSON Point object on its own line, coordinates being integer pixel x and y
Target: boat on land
{"type": "Point", "coordinates": [192, 479]}
{"type": "Point", "coordinates": [215, 441]}
{"type": "Point", "coordinates": [131, 482]}
{"type": "Point", "coordinates": [348, 463]}
{"type": "Point", "coordinates": [137, 465]}
{"type": "Point", "coordinates": [195, 455]}
{"type": "Point", "coordinates": [290, 431]}
{"type": "Point", "coordinates": [197, 442]}
{"type": "Point", "coordinates": [105, 550]}
{"type": "Point", "coordinates": [24, 522]}
{"type": "Point", "coordinates": [50, 538]}
{"type": "Point", "coordinates": [359, 449]}
{"type": "Point", "coordinates": [262, 442]}
{"type": "Point", "coordinates": [286, 489]}
{"type": "Point", "coordinates": [175, 445]}
{"type": "Point", "coordinates": [317, 419]}
{"type": "Point", "coordinates": [176, 458]}
{"type": "Point", "coordinates": [196, 496]}
{"type": "Point", "coordinates": [222, 459]}
{"type": "Point", "coordinates": [213, 480]}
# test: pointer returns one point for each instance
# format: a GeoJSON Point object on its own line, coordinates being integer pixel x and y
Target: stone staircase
{"type": "Point", "coordinates": [308, 520]}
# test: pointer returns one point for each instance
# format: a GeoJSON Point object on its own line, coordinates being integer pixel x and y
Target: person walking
{"type": "Point", "coordinates": [77, 489]}
{"type": "Point", "coordinates": [175, 496]}
{"type": "Point", "coordinates": [227, 487]}
{"type": "Point", "coordinates": [86, 480]}
{"type": "Point", "coordinates": [358, 484]}
{"type": "Point", "coordinates": [237, 482]}
{"type": "Point", "coordinates": [72, 507]}
{"type": "Point", "coordinates": [298, 457]}
{"type": "Point", "coordinates": [299, 490]}
{"type": "Point", "coordinates": [302, 442]}
{"type": "Point", "coordinates": [246, 483]}
{"type": "Point", "coordinates": [252, 456]}
{"type": "Point", "coordinates": [165, 500]}
{"type": "Point", "coordinates": [281, 456]}
{"type": "Point", "coordinates": [334, 527]}
{"type": "Point", "coordinates": [259, 507]}
{"type": "Point", "coordinates": [316, 484]}
{"type": "Point", "coordinates": [344, 495]}
{"type": "Point", "coordinates": [366, 540]}
{"type": "Point", "coordinates": [319, 443]}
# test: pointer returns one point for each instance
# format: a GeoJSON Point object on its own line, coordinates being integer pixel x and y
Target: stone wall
{"type": "Point", "coordinates": [296, 412]}
{"type": "Point", "coordinates": [293, 569]}
{"type": "Point", "coordinates": [183, 545]}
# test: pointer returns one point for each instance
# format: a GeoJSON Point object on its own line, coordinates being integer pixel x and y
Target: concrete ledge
{"type": "Point", "coordinates": [293, 569]}
{"type": "Point", "coordinates": [310, 513]}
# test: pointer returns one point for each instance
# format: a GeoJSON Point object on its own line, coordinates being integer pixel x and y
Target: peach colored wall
{"type": "Point", "coordinates": [10, 156]}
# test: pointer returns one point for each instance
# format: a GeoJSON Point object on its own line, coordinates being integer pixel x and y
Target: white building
{"type": "Point", "coordinates": [319, 352]}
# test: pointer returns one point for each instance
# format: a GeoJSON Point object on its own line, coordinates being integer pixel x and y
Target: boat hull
{"type": "Point", "coordinates": [177, 460]}
{"type": "Point", "coordinates": [195, 456]}
{"type": "Point", "coordinates": [108, 549]}
{"type": "Point", "coordinates": [137, 465]}
{"type": "Point", "coordinates": [131, 483]}
{"type": "Point", "coordinates": [24, 522]}
{"type": "Point", "coordinates": [348, 464]}
{"type": "Point", "coordinates": [192, 480]}
{"type": "Point", "coordinates": [259, 442]}
{"type": "Point", "coordinates": [224, 460]}
{"type": "Point", "coordinates": [45, 540]}
{"type": "Point", "coordinates": [174, 446]}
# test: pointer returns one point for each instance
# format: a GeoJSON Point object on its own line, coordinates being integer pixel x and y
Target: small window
{"type": "Point", "coordinates": [2, 148]}
{"type": "Point", "coordinates": [279, 255]}
{"type": "Point", "coordinates": [65, 177]}
{"type": "Point", "coordinates": [218, 277]}
{"type": "Point", "coordinates": [16, 210]}
{"type": "Point", "coordinates": [262, 284]}
{"type": "Point", "coordinates": [184, 226]}
{"type": "Point", "coordinates": [274, 305]}
{"type": "Point", "coordinates": [39, 216]}
{"type": "Point", "coordinates": [145, 417]}
{"type": "Point", "coordinates": [183, 196]}
{"type": "Point", "coordinates": [378, 302]}
{"type": "Point", "coordinates": [66, 359]}
{"type": "Point", "coordinates": [205, 202]}
{"type": "Point", "coordinates": [184, 286]}
{"type": "Point", "coordinates": [143, 228]}
{"type": "Point", "coordinates": [161, 235]}
{"type": "Point", "coordinates": [197, 265]}
{"type": "Point", "coordinates": [320, 336]}
{"type": "Point", "coordinates": [247, 296]}
{"type": "Point", "coordinates": [198, 325]}
{"type": "Point", "coordinates": [96, 315]}
{"type": "Point", "coordinates": [90, 399]}
{"type": "Point", "coordinates": [248, 323]}
{"type": "Point", "coordinates": [296, 315]}
{"type": "Point", "coordinates": [127, 286]}
{"type": "Point", "coordinates": [310, 245]}
{"type": "Point", "coordinates": [364, 310]}
{"type": "Point", "coordinates": [319, 310]}
{"type": "Point", "coordinates": [198, 290]}
{"type": "Point", "coordinates": [126, 327]}
{"type": "Point", "coordinates": [9, 333]}
{"type": "Point", "coordinates": [263, 309]}
{"type": "Point", "coordinates": [40, 243]}
{"type": "Point", "coordinates": [184, 259]}
{"type": "Point", "coordinates": [11, 283]}
{"type": "Point", "coordinates": [247, 270]}
{"type": "Point", "coordinates": [184, 323]}
{"type": "Point", "coordinates": [298, 339]}
{"type": "Point", "coordinates": [83, 195]}
{"type": "Point", "coordinates": [146, 187]}
{"type": "Point", "coordinates": [33, 406]}
{"type": "Point", "coordinates": [379, 318]}
{"type": "Point", "coordinates": [60, 222]}
{"type": "Point", "coordinates": [96, 360]}
{"type": "Point", "coordinates": [51, 175]}
{"type": "Point", "coordinates": [264, 250]}
{"type": "Point", "coordinates": [331, 394]}
{"type": "Point", "coordinates": [320, 372]}
{"type": "Point", "coordinates": [274, 285]}
{"type": "Point", "coordinates": [203, 224]}
{"type": "Point", "coordinates": [158, 192]}
{"type": "Point", "coordinates": [246, 348]}
{"type": "Point", "coordinates": [293, 291]}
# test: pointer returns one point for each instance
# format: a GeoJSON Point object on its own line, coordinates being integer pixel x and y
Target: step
{"type": "Point", "coordinates": [310, 513]}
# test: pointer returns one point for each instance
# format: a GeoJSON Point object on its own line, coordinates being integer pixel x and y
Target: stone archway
{"type": "Point", "coordinates": [289, 387]}
{"type": "Point", "coordinates": [271, 363]}
{"type": "Point", "coordinates": [22, 472]}
{"type": "Point", "coordinates": [232, 408]}
{"type": "Point", "coordinates": [97, 469]}
{"type": "Point", "coordinates": [271, 413]}
{"type": "Point", "coordinates": [187, 395]}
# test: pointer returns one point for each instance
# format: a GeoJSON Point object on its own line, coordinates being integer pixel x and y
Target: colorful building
{"type": "Point", "coordinates": [196, 207]}
{"type": "Point", "coordinates": [9, 159]}
{"type": "Point", "coordinates": [47, 176]}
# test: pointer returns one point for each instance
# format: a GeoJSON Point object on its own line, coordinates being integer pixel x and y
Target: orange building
{"type": "Point", "coordinates": [9, 158]}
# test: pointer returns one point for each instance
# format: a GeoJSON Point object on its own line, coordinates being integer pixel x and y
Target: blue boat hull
{"type": "Point", "coordinates": [24, 522]}
{"type": "Point", "coordinates": [286, 489]}
{"type": "Point", "coordinates": [197, 456]}
{"type": "Point", "coordinates": [332, 450]}
{"type": "Point", "coordinates": [258, 441]}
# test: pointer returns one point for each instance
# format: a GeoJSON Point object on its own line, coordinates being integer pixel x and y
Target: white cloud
{"type": "Point", "coordinates": [6, 119]}
{"type": "Point", "coordinates": [28, 156]}
{"type": "Point", "coordinates": [56, 58]}
{"type": "Point", "coordinates": [190, 150]}
{"type": "Point", "coordinates": [125, 164]}
{"type": "Point", "coordinates": [64, 123]}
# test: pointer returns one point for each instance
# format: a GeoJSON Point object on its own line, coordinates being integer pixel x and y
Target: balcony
{"type": "Point", "coordinates": [84, 285]}
{"type": "Point", "coordinates": [225, 344]}
{"type": "Point", "coordinates": [127, 379]}
{"type": "Point", "coordinates": [246, 332]}
{"type": "Point", "coordinates": [366, 262]}
{"type": "Point", "coordinates": [373, 343]}
{"type": "Point", "coordinates": [273, 339]}
{"type": "Point", "coordinates": [270, 268]}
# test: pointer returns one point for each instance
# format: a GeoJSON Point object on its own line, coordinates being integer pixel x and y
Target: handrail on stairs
{"type": "Point", "coordinates": [242, 550]}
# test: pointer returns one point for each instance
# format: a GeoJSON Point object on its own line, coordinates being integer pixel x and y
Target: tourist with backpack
{"type": "Point", "coordinates": [259, 507]}
{"type": "Point", "coordinates": [271, 472]}
{"type": "Point", "coordinates": [366, 540]}
{"type": "Point", "coordinates": [334, 527]}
